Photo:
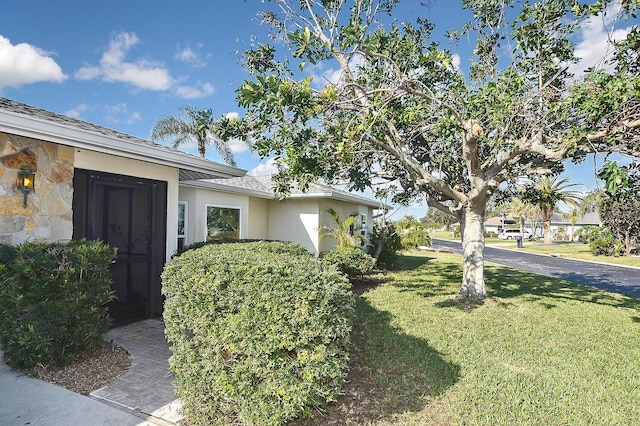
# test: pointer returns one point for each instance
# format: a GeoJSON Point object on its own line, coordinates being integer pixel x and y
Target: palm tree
{"type": "Point", "coordinates": [341, 230]}
{"type": "Point", "coordinates": [194, 124]}
{"type": "Point", "coordinates": [547, 192]}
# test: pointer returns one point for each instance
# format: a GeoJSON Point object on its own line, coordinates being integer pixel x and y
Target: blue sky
{"type": "Point", "coordinates": [124, 64]}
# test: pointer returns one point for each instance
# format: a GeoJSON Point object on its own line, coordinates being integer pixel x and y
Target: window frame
{"type": "Point", "coordinates": [185, 223]}
{"type": "Point", "coordinates": [207, 206]}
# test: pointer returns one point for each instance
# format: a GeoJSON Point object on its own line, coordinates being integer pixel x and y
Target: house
{"type": "Point", "coordinates": [562, 228]}
{"type": "Point", "coordinates": [144, 198]}
{"type": "Point", "coordinates": [496, 224]}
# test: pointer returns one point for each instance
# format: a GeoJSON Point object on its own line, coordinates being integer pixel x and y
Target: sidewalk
{"type": "Point", "coordinates": [143, 396]}
{"type": "Point", "coordinates": [28, 401]}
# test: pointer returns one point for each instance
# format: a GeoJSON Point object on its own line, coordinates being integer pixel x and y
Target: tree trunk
{"type": "Point", "coordinates": [473, 286]}
{"type": "Point", "coordinates": [546, 214]}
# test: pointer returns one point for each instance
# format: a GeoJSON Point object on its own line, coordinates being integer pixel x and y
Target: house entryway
{"type": "Point", "coordinates": [128, 213]}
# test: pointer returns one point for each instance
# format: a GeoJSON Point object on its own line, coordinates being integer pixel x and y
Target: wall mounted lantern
{"type": "Point", "coordinates": [26, 182]}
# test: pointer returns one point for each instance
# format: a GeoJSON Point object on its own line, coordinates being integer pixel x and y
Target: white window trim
{"type": "Point", "coordinates": [222, 206]}
{"type": "Point", "coordinates": [186, 220]}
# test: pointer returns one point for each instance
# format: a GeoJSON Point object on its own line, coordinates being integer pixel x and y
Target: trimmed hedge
{"type": "Point", "coordinates": [351, 261]}
{"type": "Point", "coordinates": [285, 246]}
{"type": "Point", "coordinates": [52, 300]}
{"type": "Point", "coordinates": [259, 333]}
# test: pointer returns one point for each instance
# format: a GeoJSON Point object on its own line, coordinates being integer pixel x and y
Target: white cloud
{"type": "Point", "coordinates": [455, 61]}
{"type": "Point", "coordinates": [24, 64]}
{"type": "Point", "coordinates": [265, 169]}
{"type": "Point", "coordinates": [195, 58]}
{"type": "Point", "coordinates": [142, 73]}
{"type": "Point", "coordinates": [594, 40]}
{"type": "Point", "coordinates": [200, 90]}
{"type": "Point", "coordinates": [77, 110]}
{"type": "Point", "coordinates": [119, 113]}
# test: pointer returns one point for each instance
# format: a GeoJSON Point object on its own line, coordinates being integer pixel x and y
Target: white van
{"type": "Point", "coordinates": [512, 234]}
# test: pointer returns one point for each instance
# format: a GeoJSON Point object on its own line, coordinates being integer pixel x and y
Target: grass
{"type": "Point", "coordinates": [576, 250]}
{"type": "Point", "coordinates": [541, 351]}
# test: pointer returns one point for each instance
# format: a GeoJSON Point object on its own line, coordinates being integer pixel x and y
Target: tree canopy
{"type": "Point", "coordinates": [401, 111]}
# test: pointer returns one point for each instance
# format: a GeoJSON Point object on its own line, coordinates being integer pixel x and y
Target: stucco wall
{"type": "Point", "coordinates": [48, 215]}
{"type": "Point", "coordinates": [258, 218]}
{"type": "Point", "coordinates": [296, 221]}
{"type": "Point", "coordinates": [198, 199]}
{"type": "Point", "coordinates": [91, 160]}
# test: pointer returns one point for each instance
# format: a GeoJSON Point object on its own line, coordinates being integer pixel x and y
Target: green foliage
{"type": "Point", "coordinates": [413, 233]}
{"type": "Point", "coordinates": [52, 300]}
{"type": "Point", "coordinates": [284, 247]}
{"type": "Point", "coordinates": [437, 219]}
{"type": "Point", "coordinates": [351, 261]}
{"type": "Point", "coordinates": [619, 204]}
{"type": "Point", "coordinates": [340, 231]}
{"type": "Point", "coordinates": [259, 334]}
{"type": "Point", "coordinates": [601, 241]}
{"type": "Point", "coordinates": [391, 244]}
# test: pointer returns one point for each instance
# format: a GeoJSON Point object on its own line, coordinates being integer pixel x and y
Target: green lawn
{"type": "Point", "coordinates": [572, 250]}
{"type": "Point", "coordinates": [540, 352]}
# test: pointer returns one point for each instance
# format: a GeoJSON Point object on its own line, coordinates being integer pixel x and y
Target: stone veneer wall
{"type": "Point", "coordinates": [48, 215]}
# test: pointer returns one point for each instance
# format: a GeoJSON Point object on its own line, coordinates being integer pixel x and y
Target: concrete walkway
{"type": "Point", "coordinates": [143, 396]}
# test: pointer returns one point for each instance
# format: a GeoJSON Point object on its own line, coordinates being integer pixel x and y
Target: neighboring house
{"type": "Point", "coordinates": [498, 223]}
{"type": "Point", "coordinates": [564, 229]}
{"type": "Point", "coordinates": [146, 199]}
{"type": "Point", "coordinates": [560, 227]}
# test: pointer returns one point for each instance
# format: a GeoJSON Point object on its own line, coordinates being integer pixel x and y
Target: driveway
{"type": "Point", "coordinates": [619, 279]}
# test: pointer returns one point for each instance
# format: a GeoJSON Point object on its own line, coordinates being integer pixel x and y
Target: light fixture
{"type": "Point", "coordinates": [26, 182]}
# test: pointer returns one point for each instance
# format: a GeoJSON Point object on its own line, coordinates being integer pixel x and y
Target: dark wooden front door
{"type": "Point", "coordinates": [130, 214]}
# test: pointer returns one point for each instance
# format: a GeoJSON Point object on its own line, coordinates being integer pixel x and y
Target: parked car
{"type": "Point", "coordinates": [512, 234]}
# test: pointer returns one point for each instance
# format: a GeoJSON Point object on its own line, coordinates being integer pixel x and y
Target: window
{"type": "Point", "coordinates": [182, 224]}
{"type": "Point", "coordinates": [223, 223]}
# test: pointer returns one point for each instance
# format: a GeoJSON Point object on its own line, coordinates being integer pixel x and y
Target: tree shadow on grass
{"type": "Point", "coordinates": [390, 373]}
{"type": "Point", "coordinates": [426, 278]}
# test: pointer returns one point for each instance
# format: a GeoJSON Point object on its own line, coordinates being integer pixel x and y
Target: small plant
{"type": "Point", "coordinates": [52, 299]}
{"type": "Point", "coordinates": [352, 261]}
{"type": "Point", "coordinates": [385, 243]}
{"type": "Point", "coordinates": [259, 334]}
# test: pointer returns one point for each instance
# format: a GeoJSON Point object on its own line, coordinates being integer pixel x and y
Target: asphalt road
{"type": "Point", "coordinates": [618, 279]}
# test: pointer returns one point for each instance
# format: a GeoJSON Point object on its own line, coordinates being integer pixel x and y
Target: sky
{"type": "Point", "coordinates": [125, 64]}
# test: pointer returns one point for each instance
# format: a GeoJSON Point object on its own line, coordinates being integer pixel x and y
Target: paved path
{"type": "Point", "coordinates": [146, 388]}
{"type": "Point", "coordinates": [608, 277]}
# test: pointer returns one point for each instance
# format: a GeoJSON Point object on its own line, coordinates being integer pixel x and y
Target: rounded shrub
{"type": "Point", "coordinates": [352, 261]}
{"type": "Point", "coordinates": [259, 335]}
{"type": "Point", "coordinates": [52, 300]}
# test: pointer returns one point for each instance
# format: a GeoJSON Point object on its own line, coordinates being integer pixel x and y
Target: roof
{"type": "Point", "coordinates": [263, 187]}
{"type": "Point", "coordinates": [590, 218]}
{"type": "Point", "coordinates": [29, 121]}
{"type": "Point", "coordinates": [498, 221]}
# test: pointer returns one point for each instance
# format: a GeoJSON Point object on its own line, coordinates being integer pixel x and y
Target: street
{"type": "Point", "coordinates": [614, 278]}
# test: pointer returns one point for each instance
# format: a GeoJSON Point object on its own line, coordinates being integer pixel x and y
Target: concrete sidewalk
{"type": "Point", "coordinates": [28, 401]}
{"type": "Point", "coordinates": [143, 396]}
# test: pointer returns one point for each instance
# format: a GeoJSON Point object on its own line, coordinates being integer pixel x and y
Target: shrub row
{"type": "Point", "coordinates": [259, 332]}
{"type": "Point", "coordinates": [52, 300]}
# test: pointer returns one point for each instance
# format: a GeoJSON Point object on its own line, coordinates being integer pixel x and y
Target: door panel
{"type": "Point", "coordinates": [130, 214]}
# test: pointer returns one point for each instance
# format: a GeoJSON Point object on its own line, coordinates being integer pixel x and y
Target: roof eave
{"type": "Point", "coordinates": [37, 128]}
